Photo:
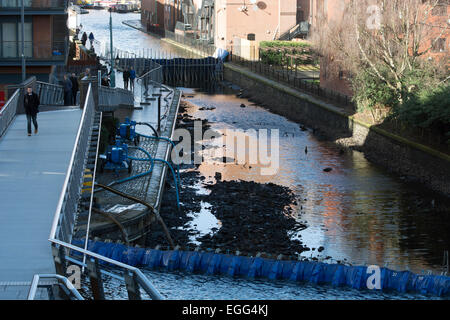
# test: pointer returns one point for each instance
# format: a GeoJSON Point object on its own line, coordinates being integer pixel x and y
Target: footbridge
{"type": "Point", "coordinates": [42, 177]}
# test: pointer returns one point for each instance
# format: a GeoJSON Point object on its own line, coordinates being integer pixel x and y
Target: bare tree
{"type": "Point", "coordinates": [386, 38]}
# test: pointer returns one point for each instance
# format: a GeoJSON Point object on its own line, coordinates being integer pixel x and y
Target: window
{"type": "Point", "coordinates": [11, 38]}
{"type": "Point", "coordinates": [439, 45]}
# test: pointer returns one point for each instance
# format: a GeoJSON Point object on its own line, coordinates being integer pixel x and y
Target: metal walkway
{"type": "Point", "coordinates": [32, 173]}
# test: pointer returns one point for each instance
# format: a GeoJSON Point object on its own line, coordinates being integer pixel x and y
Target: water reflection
{"type": "Point", "coordinates": [358, 212]}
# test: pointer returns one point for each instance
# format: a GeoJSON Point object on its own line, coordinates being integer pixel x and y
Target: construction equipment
{"type": "Point", "coordinates": [127, 132]}
{"type": "Point", "coordinates": [116, 158]}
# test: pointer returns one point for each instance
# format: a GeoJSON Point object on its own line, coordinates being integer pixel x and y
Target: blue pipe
{"type": "Point", "coordinates": [164, 139]}
{"type": "Point", "coordinates": [174, 178]}
{"type": "Point", "coordinates": [153, 162]}
{"type": "Point", "coordinates": [141, 174]}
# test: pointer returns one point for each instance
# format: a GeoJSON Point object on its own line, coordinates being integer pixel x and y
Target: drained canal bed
{"type": "Point", "coordinates": [356, 213]}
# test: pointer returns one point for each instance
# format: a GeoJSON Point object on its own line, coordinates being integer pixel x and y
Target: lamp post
{"type": "Point", "coordinates": [113, 74]}
{"type": "Point", "coordinates": [22, 17]}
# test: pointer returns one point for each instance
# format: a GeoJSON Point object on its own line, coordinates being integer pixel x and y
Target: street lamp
{"type": "Point", "coordinates": [113, 74]}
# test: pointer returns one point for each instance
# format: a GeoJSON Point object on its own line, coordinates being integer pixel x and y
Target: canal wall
{"type": "Point", "coordinates": [399, 155]}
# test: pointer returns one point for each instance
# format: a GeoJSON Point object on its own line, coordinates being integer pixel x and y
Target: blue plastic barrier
{"type": "Point", "coordinates": [256, 267]}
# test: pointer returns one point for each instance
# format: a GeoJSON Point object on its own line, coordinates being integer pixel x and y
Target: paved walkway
{"type": "Point", "coordinates": [32, 173]}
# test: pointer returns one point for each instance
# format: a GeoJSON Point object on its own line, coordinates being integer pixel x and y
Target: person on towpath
{"type": "Point", "coordinates": [31, 104]}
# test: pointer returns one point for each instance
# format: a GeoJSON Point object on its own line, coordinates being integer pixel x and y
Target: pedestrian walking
{"type": "Point", "coordinates": [91, 39]}
{"type": "Point", "coordinates": [132, 77]}
{"type": "Point", "coordinates": [75, 88]}
{"type": "Point", "coordinates": [84, 38]}
{"type": "Point", "coordinates": [126, 78]}
{"type": "Point", "coordinates": [67, 84]}
{"type": "Point", "coordinates": [31, 104]}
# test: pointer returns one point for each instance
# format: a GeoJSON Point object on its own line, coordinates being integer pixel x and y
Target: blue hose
{"type": "Point", "coordinates": [164, 139]}
{"type": "Point", "coordinates": [174, 178]}
{"type": "Point", "coordinates": [153, 162]}
{"type": "Point", "coordinates": [138, 159]}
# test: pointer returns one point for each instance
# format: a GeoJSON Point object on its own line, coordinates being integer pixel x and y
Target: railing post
{"type": "Point", "coordinates": [132, 285]}
{"type": "Point", "coordinates": [95, 278]}
{"type": "Point", "coordinates": [59, 258]}
{"type": "Point", "coordinates": [159, 110]}
{"type": "Point", "coordinates": [84, 88]}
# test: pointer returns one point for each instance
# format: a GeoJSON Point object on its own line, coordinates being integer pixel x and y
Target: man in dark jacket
{"type": "Point", "coordinates": [67, 84]}
{"type": "Point", "coordinates": [31, 104]}
{"type": "Point", "coordinates": [84, 38]}
{"type": "Point", "coordinates": [74, 81]}
{"type": "Point", "coordinates": [126, 78]}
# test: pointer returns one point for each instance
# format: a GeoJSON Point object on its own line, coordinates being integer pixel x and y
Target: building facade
{"type": "Point", "coordinates": [45, 39]}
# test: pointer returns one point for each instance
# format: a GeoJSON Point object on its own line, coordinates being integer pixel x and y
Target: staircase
{"type": "Point", "coordinates": [301, 29]}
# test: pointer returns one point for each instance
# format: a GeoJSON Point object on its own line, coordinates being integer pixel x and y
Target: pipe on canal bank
{"type": "Point", "coordinates": [166, 231]}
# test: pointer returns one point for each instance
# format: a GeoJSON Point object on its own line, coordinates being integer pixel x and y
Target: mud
{"type": "Point", "coordinates": [253, 217]}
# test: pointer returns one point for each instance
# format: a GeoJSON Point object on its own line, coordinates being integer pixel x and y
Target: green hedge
{"type": "Point", "coordinates": [281, 53]}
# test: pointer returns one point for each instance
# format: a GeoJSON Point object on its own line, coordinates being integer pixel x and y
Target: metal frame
{"type": "Point", "coordinates": [59, 279]}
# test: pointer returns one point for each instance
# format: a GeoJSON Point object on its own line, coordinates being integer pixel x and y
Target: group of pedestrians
{"type": "Point", "coordinates": [85, 37]}
{"type": "Point", "coordinates": [128, 78]}
{"type": "Point", "coordinates": [71, 88]}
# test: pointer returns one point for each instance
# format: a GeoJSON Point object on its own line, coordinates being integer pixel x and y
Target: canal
{"type": "Point", "coordinates": [358, 213]}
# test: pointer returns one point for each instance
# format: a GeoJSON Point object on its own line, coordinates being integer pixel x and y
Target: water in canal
{"type": "Point", "coordinates": [358, 212]}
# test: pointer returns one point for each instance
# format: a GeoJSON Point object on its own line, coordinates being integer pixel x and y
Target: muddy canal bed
{"type": "Point", "coordinates": [356, 213]}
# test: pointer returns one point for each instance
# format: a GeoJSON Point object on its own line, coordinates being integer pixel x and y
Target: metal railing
{"type": "Point", "coordinates": [61, 281]}
{"type": "Point", "coordinates": [199, 47]}
{"type": "Point", "coordinates": [34, 4]}
{"type": "Point", "coordinates": [290, 73]}
{"type": "Point", "coordinates": [55, 51]}
{"type": "Point", "coordinates": [9, 111]}
{"type": "Point", "coordinates": [154, 78]}
{"type": "Point", "coordinates": [50, 94]}
{"type": "Point", "coordinates": [110, 99]}
{"type": "Point", "coordinates": [64, 220]}
{"type": "Point", "coordinates": [65, 217]}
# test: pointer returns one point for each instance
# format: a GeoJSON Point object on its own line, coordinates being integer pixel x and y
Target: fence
{"type": "Point", "coordinates": [8, 112]}
{"type": "Point", "coordinates": [110, 98]}
{"type": "Point", "coordinates": [154, 77]}
{"type": "Point", "coordinates": [290, 74]}
{"type": "Point", "coordinates": [50, 94]}
{"type": "Point", "coordinates": [55, 51]}
{"type": "Point", "coordinates": [34, 4]}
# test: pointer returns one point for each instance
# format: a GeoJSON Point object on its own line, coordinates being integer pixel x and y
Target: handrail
{"type": "Point", "coordinates": [91, 200]}
{"type": "Point", "coordinates": [59, 278]}
{"type": "Point", "coordinates": [59, 207]}
{"type": "Point", "coordinates": [50, 94]}
{"type": "Point", "coordinates": [143, 281]}
{"type": "Point", "coordinates": [8, 112]}
{"type": "Point", "coordinates": [110, 99]}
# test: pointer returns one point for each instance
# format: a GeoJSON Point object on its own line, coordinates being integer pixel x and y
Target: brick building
{"type": "Point", "coordinates": [334, 78]}
{"type": "Point", "coordinates": [45, 39]}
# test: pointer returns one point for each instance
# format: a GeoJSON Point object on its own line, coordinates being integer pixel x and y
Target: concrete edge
{"type": "Point", "coordinates": [331, 108]}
